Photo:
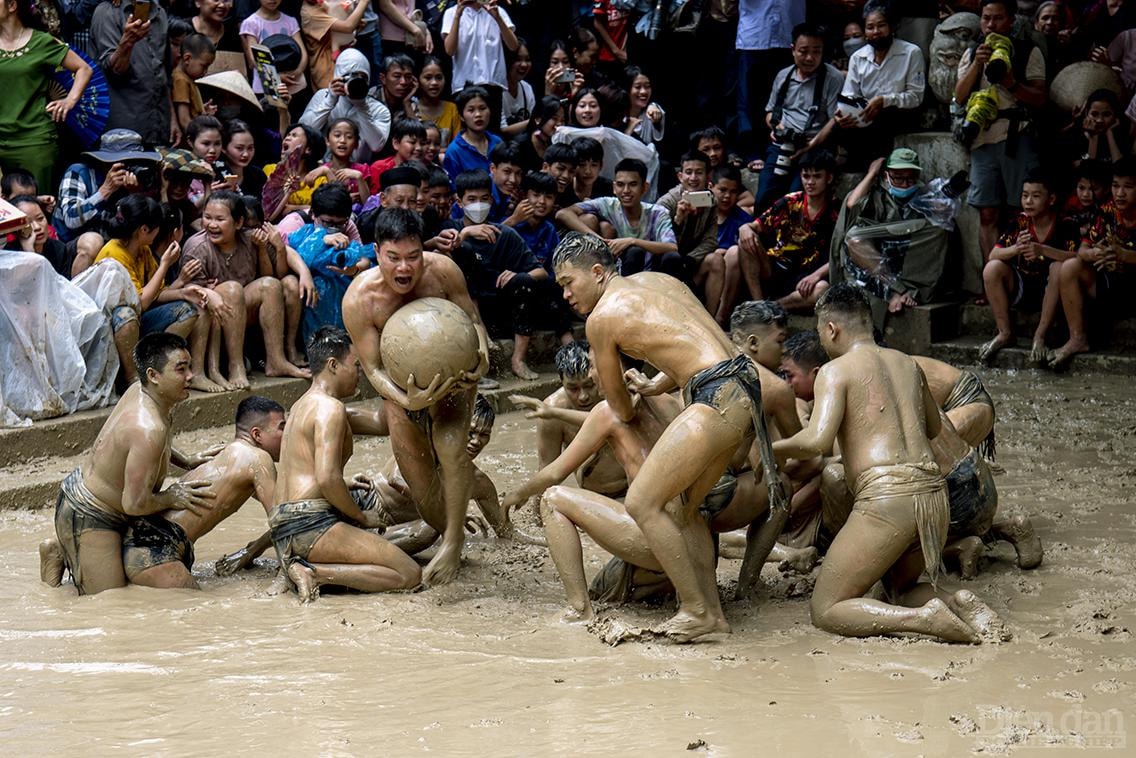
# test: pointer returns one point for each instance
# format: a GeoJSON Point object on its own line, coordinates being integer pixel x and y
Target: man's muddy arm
{"type": "Point", "coordinates": [930, 409]}
{"type": "Point", "coordinates": [609, 369]}
{"type": "Point", "coordinates": [373, 423]}
{"type": "Point", "coordinates": [243, 558]}
{"type": "Point", "coordinates": [818, 437]}
{"type": "Point", "coordinates": [591, 438]}
{"type": "Point", "coordinates": [367, 340]}
{"type": "Point", "coordinates": [143, 467]}
{"type": "Point", "coordinates": [328, 467]}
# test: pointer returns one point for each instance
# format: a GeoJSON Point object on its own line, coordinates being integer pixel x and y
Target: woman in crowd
{"type": "Point", "coordinates": [238, 152]}
{"type": "Point", "coordinates": [518, 100]}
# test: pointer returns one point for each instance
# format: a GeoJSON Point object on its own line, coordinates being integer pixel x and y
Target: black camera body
{"type": "Point", "coordinates": [357, 84]}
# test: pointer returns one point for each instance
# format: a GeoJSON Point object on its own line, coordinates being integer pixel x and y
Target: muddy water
{"type": "Point", "coordinates": [483, 666]}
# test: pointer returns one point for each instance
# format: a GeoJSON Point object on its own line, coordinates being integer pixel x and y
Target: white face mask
{"type": "Point", "coordinates": [476, 212]}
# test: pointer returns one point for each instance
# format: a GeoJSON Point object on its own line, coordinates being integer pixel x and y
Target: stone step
{"type": "Point", "coordinates": [978, 320]}
{"type": "Point", "coordinates": [963, 351]}
{"type": "Point", "coordinates": [33, 481]}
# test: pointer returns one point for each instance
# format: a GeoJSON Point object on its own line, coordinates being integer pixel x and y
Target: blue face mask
{"type": "Point", "coordinates": [902, 193]}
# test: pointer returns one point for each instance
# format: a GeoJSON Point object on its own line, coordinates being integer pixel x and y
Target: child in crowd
{"type": "Point", "coordinates": [406, 138]}
{"type": "Point", "coordinates": [505, 168]}
{"type": "Point", "coordinates": [712, 142]}
{"type": "Point", "coordinates": [639, 234]}
{"type": "Point", "coordinates": [1024, 270]}
{"type": "Point", "coordinates": [36, 237]}
{"type": "Point", "coordinates": [587, 183]}
{"type": "Point", "coordinates": [195, 56]}
{"type": "Point", "coordinates": [432, 146]}
{"type": "Point", "coordinates": [1096, 132]}
{"type": "Point", "coordinates": [322, 32]}
{"type": "Point", "coordinates": [342, 140]}
{"type": "Point", "coordinates": [470, 150]}
{"type": "Point", "coordinates": [1089, 190]}
{"type": "Point", "coordinates": [438, 194]}
{"type": "Point", "coordinates": [1102, 269]}
{"type": "Point", "coordinates": [203, 135]}
{"type": "Point", "coordinates": [560, 163]}
{"type": "Point", "coordinates": [312, 148]}
{"type": "Point", "coordinates": [502, 274]}
{"type": "Point", "coordinates": [695, 227]}
{"type": "Point", "coordinates": [266, 22]}
{"type": "Point", "coordinates": [726, 184]}
{"type": "Point", "coordinates": [181, 169]}
{"type": "Point", "coordinates": [443, 114]}
{"type": "Point", "coordinates": [531, 217]}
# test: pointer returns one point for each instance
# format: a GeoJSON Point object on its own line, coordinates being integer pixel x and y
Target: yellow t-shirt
{"type": "Point", "coordinates": [448, 122]}
{"type": "Point", "coordinates": [303, 194]}
{"type": "Point", "coordinates": [140, 270]}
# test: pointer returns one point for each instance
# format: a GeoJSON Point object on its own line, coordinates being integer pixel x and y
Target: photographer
{"type": "Point", "coordinates": [349, 96]}
{"type": "Point", "coordinates": [1003, 152]}
{"type": "Point", "coordinates": [799, 114]}
{"type": "Point", "coordinates": [90, 190]}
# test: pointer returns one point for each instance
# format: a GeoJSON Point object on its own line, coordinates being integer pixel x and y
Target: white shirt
{"type": "Point", "coordinates": [900, 79]}
{"type": "Point", "coordinates": [519, 108]}
{"type": "Point", "coordinates": [480, 57]}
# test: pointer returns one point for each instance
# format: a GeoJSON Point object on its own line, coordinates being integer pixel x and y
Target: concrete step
{"type": "Point", "coordinates": [913, 331]}
{"type": "Point", "coordinates": [32, 480]}
{"type": "Point", "coordinates": [978, 320]}
{"type": "Point", "coordinates": [963, 351]}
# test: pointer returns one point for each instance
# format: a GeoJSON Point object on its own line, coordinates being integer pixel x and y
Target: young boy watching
{"type": "Point", "coordinates": [721, 284]}
{"type": "Point", "coordinates": [1024, 270]}
{"type": "Point", "coordinates": [784, 253]}
{"type": "Point", "coordinates": [196, 55]}
{"type": "Point", "coordinates": [639, 234]}
{"type": "Point", "coordinates": [560, 164]}
{"type": "Point", "coordinates": [406, 138]}
{"type": "Point", "coordinates": [696, 228]}
{"type": "Point", "coordinates": [1102, 269]}
{"type": "Point", "coordinates": [503, 275]}
{"type": "Point", "coordinates": [587, 182]}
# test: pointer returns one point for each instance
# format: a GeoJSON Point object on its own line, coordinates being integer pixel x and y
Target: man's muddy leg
{"type": "Point", "coordinates": [972, 421]}
{"type": "Point", "coordinates": [449, 437]}
{"type": "Point", "coordinates": [689, 457]}
{"type": "Point", "coordinates": [862, 553]}
{"type": "Point", "coordinates": [166, 576]}
{"type": "Point", "coordinates": [967, 551]}
{"type": "Point", "coordinates": [100, 561]}
{"type": "Point", "coordinates": [125, 338]}
{"type": "Point", "coordinates": [351, 557]}
{"type": "Point", "coordinates": [413, 537]}
{"type": "Point", "coordinates": [567, 555]}
{"type": "Point", "coordinates": [1019, 532]}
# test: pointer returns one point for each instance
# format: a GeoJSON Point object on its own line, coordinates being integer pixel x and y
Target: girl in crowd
{"type": "Point", "coordinates": [203, 135]}
{"type": "Point", "coordinates": [646, 121]}
{"type": "Point", "coordinates": [239, 150]}
{"type": "Point", "coordinates": [432, 146]}
{"type": "Point", "coordinates": [587, 108]}
{"type": "Point", "coordinates": [559, 63]}
{"type": "Point", "coordinates": [34, 238]}
{"type": "Point", "coordinates": [518, 100]}
{"type": "Point", "coordinates": [342, 140]}
{"type": "Point", "coordinates": [299, 192]}
{"type": "Point", "coordinates": [431, 107]}
{"type": "Point", "coordinates": [470, 149]}
{"type": "Point", "coordinates": [546, 118]}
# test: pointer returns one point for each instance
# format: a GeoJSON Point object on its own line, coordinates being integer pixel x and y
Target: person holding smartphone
{"type": "Point", "coordinates": [691, 207]}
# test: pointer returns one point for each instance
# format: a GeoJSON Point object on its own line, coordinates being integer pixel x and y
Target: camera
{"type": "Point", "coordinates": [357, 85]}
{"type": "Point", "coordinates": [145, 174]}
{"type": "Point", "coordinates": [788, 142]}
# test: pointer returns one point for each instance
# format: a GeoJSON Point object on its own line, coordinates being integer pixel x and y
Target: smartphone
{"type": "Point", "coordinates": [141, 10]}
{"type": "Point", "coordinates": [567, 76]}
{"type": "Point", "coordinates": [703, 199]}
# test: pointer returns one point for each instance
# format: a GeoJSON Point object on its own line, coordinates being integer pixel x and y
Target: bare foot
{"type": "Point", "coordinates": [1019, 532]}
{"type": "Point", "coordinates": [51, 562]}
{"type": "Point", "coordinates": [801, 560]}
{"type": "Point", "coordinates": [898, 302]}
{"type": "Point", "coordinates": [304, 577]}
{"type": "Point", "coordinates": [944, 624]}
{"type": "Point", "coordinates": [686, 627]}
{"type": "Point", "coordinates": [238, 379]}
{"type": "Point", "coordinates": [230, 564]}
{"type": "Point", "coordinates": [1065, 353]}
{"type": "Point", "coordinates": [287, 369]}
{"type": "Point", "coordinates": [578, 616]}
{"type": "Point", "coordinates": [202, 383]}
{"type": "Point", "coordinates": [970, 550]}
{"type": "Point", "coordinates": [979, 616]}
{"type": "Point", "coordinates": [987, 352]}
{"type": "Point", "coordinates": [218, 378]}
{"type": "Point", "coordinates": [296, 358]}
{"type": "Point", "coordinates": [522, 371]}
{"type": "Point", "coordinates": [280, 584]}
{"type": "Point", "coordinates": [1039, 353]}
{"type": "Point", "coordinates": [444, 566]}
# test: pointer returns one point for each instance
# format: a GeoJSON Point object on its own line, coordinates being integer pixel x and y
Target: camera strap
{"type": "Point", "coordinates": [818, 98]}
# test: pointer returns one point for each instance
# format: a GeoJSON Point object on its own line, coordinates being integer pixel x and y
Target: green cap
{"type": "Point", "coordinates": [904, 158]}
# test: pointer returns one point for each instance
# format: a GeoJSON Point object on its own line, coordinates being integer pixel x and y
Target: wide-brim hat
{"type": "Point", "coordinates": [232, 82]}
{"type": "Point", "coordinates": [119, 145]}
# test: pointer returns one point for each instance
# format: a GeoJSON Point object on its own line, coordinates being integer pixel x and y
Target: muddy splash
{"type": "Point", "coordinates": [483, 667]}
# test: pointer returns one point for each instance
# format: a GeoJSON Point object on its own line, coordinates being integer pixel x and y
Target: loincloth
{"type": "Point", "coordinates": [153, 540]}
{"type": "Point", "coordinates": [723, 385]}
{"type": "Point", "coordinates": [877, 488]}
{"type": "Point", "coordinates": [973, 496]}
{"type": "Point", "coordinates": [77, 511]}
{"type": "Point", "coordinates": [968, 390]}
{"type": "Point", "coordinates": [616, 584]}
{"type": "Point", "coordinates": [719, 497]}
{"type": "Point", "coordinates": [298, 525]}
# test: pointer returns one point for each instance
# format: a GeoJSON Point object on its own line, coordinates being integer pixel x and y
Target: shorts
{"type": "Point", "coordinates": [1115, 290]}
{"type": "Point", "coordinates": [297, 526]}
{"type": "Point", "coordinates": [77, 511]}
{"type": "Point", "coordinates": [719, 497]}
{"type": "Point", "coordinates": [973, 496]}
{"type": "Point", "coordinates": [996, 180]}
{"type": "Point", "coordinates": [153, 540]}
{"type": "Point", "coordinates": [1029, 290]}
{"type": "Point", "coordinates": [783, 281]}
{"type": "Point", "coordinates": [157, 318]}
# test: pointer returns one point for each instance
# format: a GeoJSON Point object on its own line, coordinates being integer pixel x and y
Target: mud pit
{"type": "Point", "coordinates": [483, 667]}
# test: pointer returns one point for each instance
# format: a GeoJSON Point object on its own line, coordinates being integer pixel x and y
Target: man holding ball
{"type": "Point", "coordinates": [429, 427]}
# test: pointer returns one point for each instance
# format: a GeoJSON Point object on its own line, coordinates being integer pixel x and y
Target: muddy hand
{"type": "Point", "coordinates": [533, 407]}
{"type": "Point", "coordinates": [227, 565]}
{"type": "Point", "coordinates": [196, 497]}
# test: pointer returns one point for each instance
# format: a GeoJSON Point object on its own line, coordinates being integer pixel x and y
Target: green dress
{"type": "Point", "coordinates": [26, 128]}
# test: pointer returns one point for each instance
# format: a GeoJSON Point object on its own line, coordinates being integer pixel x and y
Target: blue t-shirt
{"type": "Point", "coordinates": [728, 229]}
{"type": "Point", "coordinates": [542, 240]}
{"type": "Point", "coordinates": [462, 156]}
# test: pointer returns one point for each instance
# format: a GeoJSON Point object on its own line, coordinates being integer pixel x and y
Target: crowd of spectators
{"type": "Point", "coordinates": [754, 149]}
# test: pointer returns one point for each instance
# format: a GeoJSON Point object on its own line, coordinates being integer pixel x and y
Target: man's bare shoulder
{"type": "Point", "coordinates": [559, 399]}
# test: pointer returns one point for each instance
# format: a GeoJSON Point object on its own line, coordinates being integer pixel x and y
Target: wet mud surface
{"type": "Point", "coordinates": [483, 666]}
